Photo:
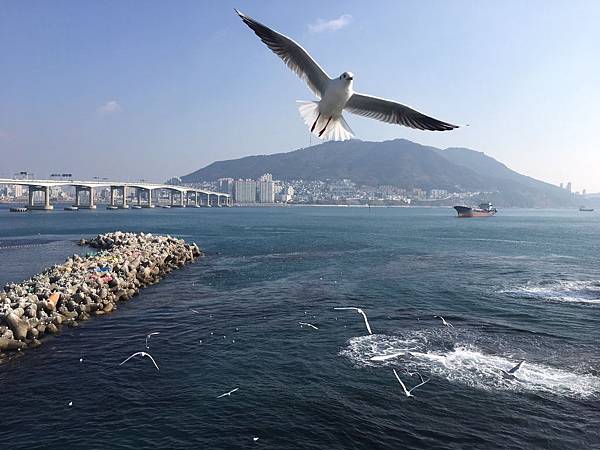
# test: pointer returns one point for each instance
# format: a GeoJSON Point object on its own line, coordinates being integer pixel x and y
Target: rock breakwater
{"type": "Point", "coordinates": [83, 286]}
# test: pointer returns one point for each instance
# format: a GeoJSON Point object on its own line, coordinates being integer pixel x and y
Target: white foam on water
{"type": "Point", "coordinates": [468, 365]}
{"type": "Point", "coordinates": [560, 291]}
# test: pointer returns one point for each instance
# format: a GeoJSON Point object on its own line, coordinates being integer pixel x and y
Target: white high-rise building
{"type": "Point", "coordinates": [286, 194]}
{"type": "Point", "coordinates": [266, 189]}
{"type": "Point", "coordinates": [226, 185]}
{"type": "Point", "coordinates": [244, 191]}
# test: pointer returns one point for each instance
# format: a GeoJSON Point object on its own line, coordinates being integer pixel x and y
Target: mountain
{"type": "Point", "coordinates": [398, 163]}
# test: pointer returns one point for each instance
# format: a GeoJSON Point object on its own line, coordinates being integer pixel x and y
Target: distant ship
{"type": "Point", "coordinates": [583, 208]}
{"type": "Point", "coordinates": [484, 210]}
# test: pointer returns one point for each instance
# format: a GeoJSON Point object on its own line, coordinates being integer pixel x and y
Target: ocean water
{"type": "Point", "coordinates": [522, 285]}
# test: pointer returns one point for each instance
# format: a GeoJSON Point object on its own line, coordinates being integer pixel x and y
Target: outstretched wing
{"type": "Point", "coordinates": [393, 112]}
{"type": "Point", "coordinates": [517, 367]}
{"type": "Point", "coordinates": [292, 54]}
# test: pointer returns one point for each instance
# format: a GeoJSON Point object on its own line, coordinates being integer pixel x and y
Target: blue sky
{"type": "Point", "coordinates": [148, 89]}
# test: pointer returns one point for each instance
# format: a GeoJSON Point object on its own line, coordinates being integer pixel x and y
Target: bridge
{"type": "Point", "coordinates": [179, 196]}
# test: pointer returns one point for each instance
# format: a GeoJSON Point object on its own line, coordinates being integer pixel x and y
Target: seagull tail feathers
{"type": "Point", "coordinates": [337, 129]}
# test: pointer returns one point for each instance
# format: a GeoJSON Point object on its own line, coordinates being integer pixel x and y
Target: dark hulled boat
{"type": "Point", "coordinates": [483, 210]}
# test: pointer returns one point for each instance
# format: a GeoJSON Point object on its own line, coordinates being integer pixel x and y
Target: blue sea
{"type": "Point", "coordinates": [523, 285]}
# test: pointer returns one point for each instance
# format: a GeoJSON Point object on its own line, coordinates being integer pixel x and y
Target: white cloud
{"type": "Point", "coordinates": [110, 107]}
{"type": "Point", "coordinates": [330, 25]}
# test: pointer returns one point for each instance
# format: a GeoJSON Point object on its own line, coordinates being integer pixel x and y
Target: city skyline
{"type": "Point", "coordinates": [150, 93]}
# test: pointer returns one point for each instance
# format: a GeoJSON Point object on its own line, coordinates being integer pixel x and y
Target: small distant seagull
{"type": "Point", "coordinates": [194, 311]}
{"type": "Point", "coordinates": [407, 392]}
{"type": "Point", "coordinates": [324, 117]}
{"type": "Point", "coordinates": [149, 335]}
{"type": "Point", "coordinates": [80, 360]}
{"type": "Point", "coordinates": [448, 324]}
{"type": "Point", "coordinates": [510, 373]}
{"type": "Point", "coordinates": [308, 325]}
{"type": "Point", "coordinates": [228, 393]}
{"type": "Point", "coordinates": [70, 403]}
{"type": "Point", "coordinates": [142, 354]}
{"type": "Point", "coordinates": [255, 439]}
{"type": "Point", "coordinates": [360, 311]}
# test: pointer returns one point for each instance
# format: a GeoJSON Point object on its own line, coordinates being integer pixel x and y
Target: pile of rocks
{"type": "Point", "coordinates": [90, 285]}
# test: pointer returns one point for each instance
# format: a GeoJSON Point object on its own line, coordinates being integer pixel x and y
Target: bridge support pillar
{"type": "Point", "coordinates": [77, 192]}
{"type": "Point", "coordinates": [91, 204]}
{"type": "Point", "coordinates": [47, 198]}
{"type": "Point", "coordinates": [124, 204]}
{"type": "Point", "coordinates": [112, 196]}
{"type": "Point", "coordinates": [150, 205]}
{"type": "Point", "coordinates": [46, 191]}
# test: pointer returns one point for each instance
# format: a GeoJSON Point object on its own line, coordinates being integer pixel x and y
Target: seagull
{"type": "Point", "coordinates": [308, 325]}
{"type": "Point", "coordinates": [448, 324]}
{"type": "Point", "coordinates": [142, 354]}
{"type": "Point", "coordinates": [391, 356]}
{"type": "Point", "coordinates": [194, 311]}
{"type": "Point", "coordinates": [408, 391]}
{"type": "Point", "coordinates": [80, 360]}
{"type": "Point", "coordinates": [324, 117]}
{"type": "Point", "coordinates": [255, 439]}
{"type": "Point", "coordinates": [148, 337]}
{"type": "Point", "coordinates": [360, 311]}
{"type": "Point", "coordinates": [510, 372]}
{"type": "Point", "coordinates": [228, 393]}
{"type": "Point", "coordinates": [70, 403]}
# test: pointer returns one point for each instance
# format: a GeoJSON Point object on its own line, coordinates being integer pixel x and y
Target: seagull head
{"type": "Point", "coordinates": [347, 76]}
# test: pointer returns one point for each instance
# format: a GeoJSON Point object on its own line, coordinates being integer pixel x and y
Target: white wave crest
{"type": "Point", "coordinates": [561, 291]}
{"type": "Point", "coordinates": [468, 365]}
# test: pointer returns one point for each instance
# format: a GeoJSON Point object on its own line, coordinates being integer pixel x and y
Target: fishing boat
{"type": "Point", "coordinates": [584, 209]}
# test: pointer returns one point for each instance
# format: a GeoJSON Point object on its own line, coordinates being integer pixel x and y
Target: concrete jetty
{"type": "Point", "coordinates": [83, 286]}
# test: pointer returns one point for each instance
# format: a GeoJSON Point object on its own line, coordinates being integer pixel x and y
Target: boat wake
{"type": "Point", "coordinates": [433, 353]}
{"type": "Point", "coordinates": [560, 291]}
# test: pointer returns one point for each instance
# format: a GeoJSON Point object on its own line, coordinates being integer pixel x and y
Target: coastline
{"type": "Point", "coordinates": [87, 285]}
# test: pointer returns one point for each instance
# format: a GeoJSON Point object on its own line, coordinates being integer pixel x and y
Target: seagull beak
{"type": "Point", "coordinates": [351, 78]}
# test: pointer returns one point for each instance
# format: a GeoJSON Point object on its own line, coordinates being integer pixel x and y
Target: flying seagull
{"type": "Point", "coordinates": [360, 311]}
{"type": "Point", "coordinates": [405, 353]}
{"type": "Point", "coordinates": [510, 373]}
{"type": "Point", "coordinates": [142, 354]}
{"type": "Point", "coordinates": [228, 393]}
{"type": "Point", "coordinates": [407, 392]}
{"type": "Point", "coordinates": [324, 117]}
{"type": "Point", "coordinates": [308, 325]}
{"type": "Point", "coordinates": [444, 322]}
{"type": "Point", "coordinates": [149, 335]}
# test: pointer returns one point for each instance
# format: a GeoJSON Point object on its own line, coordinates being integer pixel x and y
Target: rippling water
{"type": "Point", "coordinates": [521, 285]}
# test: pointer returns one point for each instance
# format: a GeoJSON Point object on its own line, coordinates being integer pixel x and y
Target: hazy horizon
{"type": "Point", "coordinates": [116, 90]}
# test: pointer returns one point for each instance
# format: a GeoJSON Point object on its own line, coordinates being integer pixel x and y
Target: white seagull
{"type": "Point", "coordinates": [360, 311]}
{"type": "Point", "coordinates": [324, 117]}
{"type": "Point", "coordinates": [408, 391]}
{"type": "Point", "coordinates": [392, 355]}
{"type": "Point", "coordinates": [308, 325]}
{"type": "Point", "coordinates": [142, 354]}
{"type": "Point", "coordinates": [444, 322]}
{"type": "Point", "coordinates": [149, 335]}
{"type": "Point", "coordinates": [510, 373]}
{"type": "Point", "coordinates": [228, 393]}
